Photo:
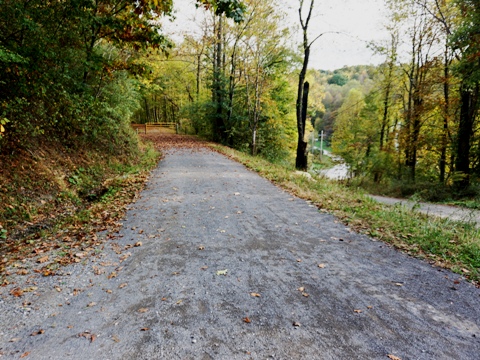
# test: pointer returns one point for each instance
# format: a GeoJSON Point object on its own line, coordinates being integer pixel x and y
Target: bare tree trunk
{"type": "Point", "coordinates": [446, 97]}
{"type": "Point", "coordinates": [219, 132]}
{"type": "Point", "coordinates": [301, 162]}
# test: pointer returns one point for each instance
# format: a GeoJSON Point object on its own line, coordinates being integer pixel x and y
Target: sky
{"type": "Point", "coordinates": [357, 21]}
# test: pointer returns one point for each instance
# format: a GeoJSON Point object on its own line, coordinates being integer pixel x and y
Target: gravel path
{"type": "Point", "coordinates": [443, 211]}
{"type": "Point", "coordinates": [214, 262]}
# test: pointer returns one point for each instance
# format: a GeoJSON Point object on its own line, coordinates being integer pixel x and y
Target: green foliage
{"type": "Point", "coordinates": [356, 131]}
{"type": "Point", "coordinates": [63, 68]}
{"type": "Point", "coordinates": [466, 38]}
{"type": "Point", "coordinates": [247, 102]}
{"type": "Point", "coordinates": [338, 79]}
{"type": "Point", "coordinates": [233, 9]}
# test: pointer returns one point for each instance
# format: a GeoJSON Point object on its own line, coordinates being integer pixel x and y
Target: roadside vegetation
{"type": "Point", "coordinates": [56, 204]}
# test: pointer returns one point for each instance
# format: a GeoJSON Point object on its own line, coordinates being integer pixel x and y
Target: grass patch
{"type": "Point", "coordinates": [442, 242]}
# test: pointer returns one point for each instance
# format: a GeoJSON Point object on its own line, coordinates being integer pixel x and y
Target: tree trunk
{"type": "Point", "coordinates": [199, 58]}
{"type": "Point", "coordinates": [219, 133]}
{"type": "Point", "coordinates": [469, 98]}
{"type": "Point", "coordinates": [446, 97]}
{"type": "Point", "coordinates": [301, 162]}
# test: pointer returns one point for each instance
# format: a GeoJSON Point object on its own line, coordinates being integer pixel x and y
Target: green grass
{"type": "Point", "coordinates": [442, 242]}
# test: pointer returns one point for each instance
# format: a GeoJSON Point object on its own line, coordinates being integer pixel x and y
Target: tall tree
{"type": "Point", "coordinates": [466, 40]}
{"type": "Point", "coordinates": [301, 162]}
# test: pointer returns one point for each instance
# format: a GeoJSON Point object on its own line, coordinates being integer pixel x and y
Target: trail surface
{"type": "Point", "coordinates": [443, 211]}
{"type": "Point", "coordinates": [214, 262]}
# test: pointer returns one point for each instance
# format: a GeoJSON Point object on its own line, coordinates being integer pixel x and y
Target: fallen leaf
{"type": "Point", "coordinates": [43, 259]}
{"type": "Point", "coordinates": [58, 288]}
{"type": "Point", "coordinates": [92, 304]}
{"type": "Point", "coordinates": [247, 320]}
{"type": "Point", "coordinates": [17, 292]}
{"type": "Point", "coordinates": [164, 299]}
{"type": "Point", "coordinates": [39, 332]}
{"type": "Point", "coordinates": [80, 255]}
{"type": "Point", "coordinates": [14, 340]}
{"type": "Point", "coordinates": [115, 338]}
{"type": "Point", "coordinates": [255, 294]}
{"type": "Point", "coordinates": [22, 272]}
{"type": "Point", "coordinates": [142, 310]}
{"type": "Point", "coordinates": [121, 286]}
{"type": "Point", "coordinates": [87, 335]}
{"type": "Point", "coordinates": [108, 291]}
{"type": "Point", "coordinates": [204, 267]}
{"type": "Point", "coordinates": [301, 289]}
{"type": "Point", "coordinates": [321, 266]}
{"type": "Point", "coordinates": [69, 326]}
{"type": "Point", "coordinates": [138, 243]}
{"type": "Point", "coordinates": [112, 275]}
{"type": "Point", "coordinates": [296, 324]}
{"type": "Point", "coordinates": [466, 271]}
{"type": "Point", "coordinates": [398, 284]}
{"type": "Point", "coordinates": [48, 273]}
{"type": "Point", "coordinates": [76, 292]}
{"type": "Point", "coordinates": [369, 307]}
{"type": "Point", "coordinates": [144, 329]}
{"type": "Point", "coordinates": [299, 260]}
{"type": "Point", "coordinates": [179, 302]}
{"type": "Point", "coordinates": [98, 271]}
{"type": "Point", "coordinates": [222, 272]}
{"type": "Point", "coordinates": [357, 311]}
{"type": "Point", "coordinates": [201, 247]}
{"type": "Point", "coordinates": [393, 357]}
{"type": "Point", "coordinates": [25, 354]}
{"type": "Point", "coordinates": [30, 289]}
{"type": "Point", "coordinates": [305, 294]}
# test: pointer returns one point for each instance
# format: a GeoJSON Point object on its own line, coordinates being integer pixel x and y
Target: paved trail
{"type": "Point", "coordinates": [443, 211]}
{"type": "Point", "coordinates": [213, 234]}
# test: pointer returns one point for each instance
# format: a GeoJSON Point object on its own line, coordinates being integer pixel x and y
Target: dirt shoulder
{"type": "Point", "coordinates": [214, 262]}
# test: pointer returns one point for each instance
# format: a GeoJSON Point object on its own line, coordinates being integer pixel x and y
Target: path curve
{"type": "Point", "coordinates": [214, 262]}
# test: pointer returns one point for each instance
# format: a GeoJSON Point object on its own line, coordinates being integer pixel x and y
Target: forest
{"type": "Point", "coordinates": [75, 74]}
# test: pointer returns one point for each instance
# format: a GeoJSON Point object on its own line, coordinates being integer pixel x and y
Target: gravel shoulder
{"type": "Point", "coordinates": [214, 262]}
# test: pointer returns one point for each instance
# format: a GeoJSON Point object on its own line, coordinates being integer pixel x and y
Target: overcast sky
{"type": "Point", "coordinates": [359, 21]}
